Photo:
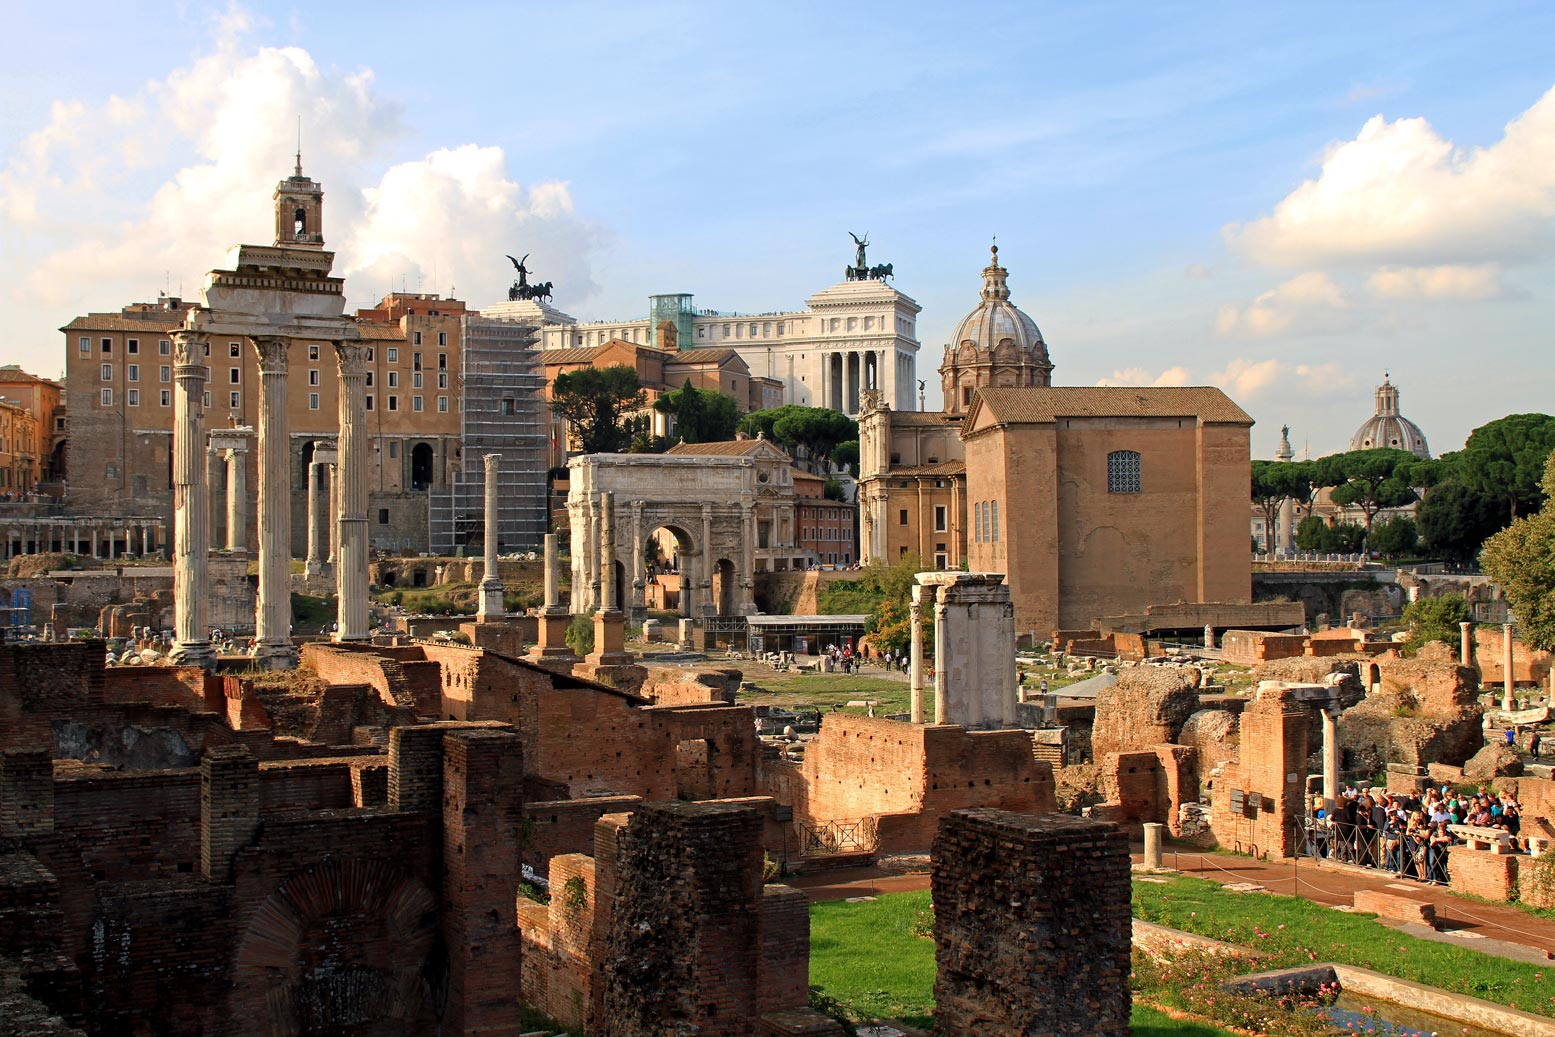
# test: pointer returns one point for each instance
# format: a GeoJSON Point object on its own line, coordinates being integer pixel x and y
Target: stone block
{"type": "Point", "coordinates": [1398, 908]}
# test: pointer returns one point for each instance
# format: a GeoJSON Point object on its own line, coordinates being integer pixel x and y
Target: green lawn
{"type": "Point", "coordinates": [1294, 932]}
{"type": "Point", "coordinates": [823, 690]}
{"type": "Point", "coordinates": [868, 957]}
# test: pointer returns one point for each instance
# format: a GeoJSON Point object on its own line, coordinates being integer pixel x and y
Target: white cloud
{"type": "Point", "coordinates": [1400, 193]}
{"type": "Point", "coordinates": [1243, 378]}
{"type": "Point", "coordinates": [94, 209]}
{"type": "Point", "coordinates": [1308, 302]}
{"type": "Point", "coordinates": [1172, 376]}
{"type": "Point", "coordinates": [1438, 282]}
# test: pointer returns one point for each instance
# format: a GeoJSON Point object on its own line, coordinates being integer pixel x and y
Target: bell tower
{"type": "Point", "coordinates": [299, 211]}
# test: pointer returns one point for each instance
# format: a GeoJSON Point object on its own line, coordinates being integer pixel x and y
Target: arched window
{"type": "Point", "coordinates": [1123, 471]}
{"type": "Point", "coordinates": [300, 221]}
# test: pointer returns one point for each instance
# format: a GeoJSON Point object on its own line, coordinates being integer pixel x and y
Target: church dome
{"type": "Point", "coordinates": [1388, 429]}
{"type": "Point", "coordinates": [996, 320]}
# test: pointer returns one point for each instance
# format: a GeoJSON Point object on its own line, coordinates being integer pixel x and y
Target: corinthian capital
{"type": "Point", "coordinates": [189, 348]}
{"type": "Point", "coordinates": [272, 351]}
{"type": "Point", "coordinates": [351, 357]}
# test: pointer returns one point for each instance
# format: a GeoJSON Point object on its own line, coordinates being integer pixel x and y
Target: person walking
{"type": "Point", "coordinates": [1535, 743]}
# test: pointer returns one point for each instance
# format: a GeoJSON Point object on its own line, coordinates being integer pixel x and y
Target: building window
{"type": "Point", "coordinates": [133, 374]}
{"type": "Point", "coordinates": [442, 405]}
{"type": "Point", "coordinates": [112, 471]}
{"type": "Point", "coordinates": [132, 397]}
{"type": "Point", "coordinates": [966, 396]}
{"type": "Point", "coordinates": [235, 400]}
{"type": "Point", "coordinates": [415, 379]}
{"type": "Point", "coordinates": [235, 375]}
{"type": "Point", "coordinates": [107, 371]}
{"type": "Point", "coordinates": [941, 558]}
{"type": "Point", "coordinates": [415, 338]}
{"type": "Point", "coordinates": [394, 447]}
{"type": "Point", "coordinates": [132, 345]}
{"type": "Point", "coordinates": [107, 345]}
{"type": "Point", "coordinates": [901, 518]}
{"type": "Point", "coordinates": [313, 401]}
{"type": "Point", "coordinates": [371, 352]}
{"type": "Point", "coordinates": [394, 379]}
{"type": "Point", "coordinates": [107, 397]}
{"type": "Point", "coordinates": [85, 344]}
{"type": "Point", "coordinates": [415, 403]}
{"type": "Point", "coordinates": [939, 518]}
{"type": "Point", "coordinates": [165, 348]}
{"type": "Point", "coordinates": [394, 402]}
{"type": "Point", "coordinates": [442, 361]}
{"type": "Point", "coordinates": [164, 373]}
{"type": "Point", "coordinates": [207, 351]}
{"type": "Point", "coordinates": [206, 401]}
{"type": "Point", "coordinates": [167, 398]}
{"type": "Point", "coordinates": [369, 379]}
{"type": "Point", "coordinates": [235, 349]}
{"type": "Point", "coordinates": [442, 379]}
{"type": "Point", "coordinates": [313, 377]}
{"type": "Point", "coordinates": [442, 338]}
{"type": "Point", "coordinates": [383, 516]}
{"type": "Point", "coordinates": [509, 408]}
{"type": "Point", "coordinates": [369, 401]}
{"type": "Point", "coordinates": [394, 354]}
{"type": "Point", "coordinates": [993, 520]}
{"type": "Point", "coordinates": [1123, 472]}
{"type": "Point", "coordinates": [313, 352]}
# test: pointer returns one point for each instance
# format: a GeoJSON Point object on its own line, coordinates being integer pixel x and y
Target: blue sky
{"type": "Point", "coordinates": [1284, 201]}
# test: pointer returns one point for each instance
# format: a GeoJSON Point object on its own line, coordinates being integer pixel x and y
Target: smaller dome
{"type": "Point", "coordinates": [1387, 428]}
{"type": "Point", "coordinates": [997, 320]}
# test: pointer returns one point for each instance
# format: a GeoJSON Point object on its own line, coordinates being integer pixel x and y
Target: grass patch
{"type": "Point", "coordinates": [1288, 931]}
{"type": "Point", "coordinates": [823, 690]}
{"type": "Point", "coordinates": [869, 959]}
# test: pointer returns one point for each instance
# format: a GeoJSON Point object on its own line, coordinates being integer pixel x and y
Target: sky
{"type": "Point", "coordinates": [1282, 200]}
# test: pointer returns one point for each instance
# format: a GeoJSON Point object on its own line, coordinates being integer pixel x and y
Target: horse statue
{"type": "Point", "coordinates": [540, 291]}
{"type": "Point", "coordinates": [881, 272]}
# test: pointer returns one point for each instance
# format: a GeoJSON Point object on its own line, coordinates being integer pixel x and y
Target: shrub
{"type": "Point", "coordinates": [580, 635]}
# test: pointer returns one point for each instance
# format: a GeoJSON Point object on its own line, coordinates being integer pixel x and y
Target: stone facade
{"type": "Point", "coordinates": [1101, 501]}
{"type": "Point", "coordinates": [1032, 926]}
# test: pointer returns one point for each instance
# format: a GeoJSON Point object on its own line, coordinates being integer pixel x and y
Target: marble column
{"type": "Point", "coordinates": [332, 520]}
{"type": "Point", "coordinates": [1285, 524]}
{"type": "Point", "coordinates": [491, 606]}
{"type": "Point", "coordinates": [1508, 672]}
{"type": "Point", "coordinates": [609, 621]}
{"type": "Point", "coordinates": [351, 567]}
{"type": "Point", "coordinates": [213, 479]}
{"type": "Point", "coordinates": [708, 561]}
{"type": "Point", "coordinates": [941, 696]}
{"type": "Point", "coordinates": [551, 649]}
{"type": "Point", "coordinates": [639, 577]}
{"type": "Point", "coordinates": [237, 500]}
{"type": "Point", "coordinates": [915, 654]}
{"type": "Point", "coordinates": [747, 600]}
{"type": "Point", "coordinates": [273, 615]}
{"type": "Point", "coordinates": [191, 506]}
{"type": "Point", "coordinates": [318, 520]}
{"type": "Point", "coordinates": [1330, 759]}
{"type": "Point", "coordinates": [1466, 643]}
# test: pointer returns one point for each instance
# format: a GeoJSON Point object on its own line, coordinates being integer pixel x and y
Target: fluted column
{"type": "Point", "coordinates": [941, 694]}
{"type": "Point", "coordinates": [237, 501]}
{"type": "Point", "coordinates": [191, 506]}
{"type": "Point", "coordinates": [331, 520]}
{"type": "Point", "coordinates": [351, 567]}
{"type": "Point", "coordinates": [273, 614]}
{"type": "Point", "coordinates": [318, 521]}
{"type": "Point", "coordinates": [491, 606]}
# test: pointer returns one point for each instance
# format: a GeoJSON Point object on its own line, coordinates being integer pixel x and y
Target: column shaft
{"type": "Point", "coordinates": [552, 595]}
{"type": "Point", "coordinates": [941, 698]}
{"type": "Point", "coordinates": [915, 654]}
{"type": "Point", "coordinates": [273, 614]}
{"type": "Point", "coordinates": [1508, 674]}
{"type": "Point", "coordinates": [237, 501]}
{"type": "Point", "coordinates": [1330, 761]}
{"type": "Point", "coordinates": [491, 605]}
{"type": "Point", "coordinates": [351, 569]}
{"type": "Point", "coordinates": [318, 522]}
{"type": "Point", "coordinates": [191, 507]}
{"type": "Point", "coordinates": [607, 553]}
{"type": "Point", "coordinates": [1466, 644]}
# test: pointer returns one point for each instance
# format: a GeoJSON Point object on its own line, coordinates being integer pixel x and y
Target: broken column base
{"type": "Point", "coordinates": [551, 649]}
{"type": "Point", "coordinates": [491, 606]}
{"type": "Point", "coordinates": [193, 653]}
{"type": "Point", "coordinates": [610, 663]}
{"type": "Point", "coordinates": [275, 656]}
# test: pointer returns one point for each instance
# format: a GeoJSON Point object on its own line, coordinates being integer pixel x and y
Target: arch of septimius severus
{"type": "Point", "coordinates": [272, 297]}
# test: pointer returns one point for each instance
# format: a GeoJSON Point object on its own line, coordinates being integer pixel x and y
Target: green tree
{"type": "Point", "coordinates": [701, 415]}
{"type": "Point", "coordinates": [1521, 561]}
{"type": "Point", "coordinates": [1394, 537]}
{"type": "Point", "coordinates": [1275, 482]}
{"type": "Point", "coordinates": [1313, 534]}
{"type": "Point", "coordinates": [1435, 619]}
{"type": "Point", "coordinates": [1455, 520]}
{"type": "Point", "coordinates": [1505, 459]}
{"type": "Point", "coordinates": [882, 591]}
{"type": "Point", "coordinates": [1370, 480]}
{"type": "Point", "coordinates": [846, 454]}
{"type": "Point", "coordinates": [814, 431]}
{"type": "Point", "coordinates": [600, 405]}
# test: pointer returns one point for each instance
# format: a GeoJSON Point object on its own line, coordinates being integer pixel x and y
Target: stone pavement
{"type": "Point", "coordinates": [1491, 928]}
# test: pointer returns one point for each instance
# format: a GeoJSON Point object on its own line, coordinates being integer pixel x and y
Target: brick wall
{"type": "Point", "coordinates": [1032, 925]}
{"type": "Point", "coordinates": [1250, 647]}
{"type": "Point", "coordinates": [1481, 873]}
{"type": "Point", "coordinates": [1270, 772]}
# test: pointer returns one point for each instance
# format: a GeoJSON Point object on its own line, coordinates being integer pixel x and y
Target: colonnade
{"type": "Point", "coordinates": [192, 475]}
{"type": "Point", "coordinates": [91, 537]}
{"type": "Point", "coordinates": [845, 374]}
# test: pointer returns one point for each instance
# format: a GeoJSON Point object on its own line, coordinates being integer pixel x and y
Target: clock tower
{"type": "Point", "coordinates": [299, 211]}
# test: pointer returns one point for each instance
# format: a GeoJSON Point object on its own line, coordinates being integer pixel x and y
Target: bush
{"type": "Point", "coordinates": [1397, 536]}
{"type": "Point", "coordinates": [1435, 619]}
{"type": "Point", "coordinates": [580, 635]}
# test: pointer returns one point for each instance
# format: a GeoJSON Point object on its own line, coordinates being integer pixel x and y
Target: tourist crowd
{"type": "Point", "coordinates": [1409, 835]}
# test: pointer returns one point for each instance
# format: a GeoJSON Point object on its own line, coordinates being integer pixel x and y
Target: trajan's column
{"type": "Point", "coordinates": [272, 296]}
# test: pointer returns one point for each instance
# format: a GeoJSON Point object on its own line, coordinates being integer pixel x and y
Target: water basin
{"type": "Point", "coordinates": [1354, 1013]}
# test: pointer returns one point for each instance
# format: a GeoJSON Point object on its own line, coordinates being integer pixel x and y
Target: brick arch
{"type": "Point", "coordinates": [344, 947]}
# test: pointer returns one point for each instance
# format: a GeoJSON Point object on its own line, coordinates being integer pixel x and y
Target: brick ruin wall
{"type": "Point", "coordinates": [1270, 775]}
{"type": "Point", "coordinates": [1148, 785]}
{"type": "Point", "coordinates": [1032, 926]}
{"type": "Point", "coordinates": [1529, 666]}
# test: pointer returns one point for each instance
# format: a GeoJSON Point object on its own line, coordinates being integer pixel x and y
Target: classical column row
{"type": "Point", "coordinates": [95, 539]}
{"type": "Point", "coordinates": [351, 510]}
{"type": "Point", "coordinates": [846, 374]}
{"type": "Point", "coordinates": [273, 617]}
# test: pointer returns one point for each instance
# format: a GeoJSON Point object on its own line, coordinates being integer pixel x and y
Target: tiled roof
{"type": "Point", "coordinates": [586, 354]}
{"type": "Point", "coordinates": [115, 322]}
{"type": "Point", "coordinates": [907, 418]}
{"type": "Point", "coordinates": [1043, 405]}
{"type": "Point", "coordinates": [727, 448]}
{"type": "Point", "coordinates": [701, 356]}
{"type": "Point", "coordinates": [941, 469]}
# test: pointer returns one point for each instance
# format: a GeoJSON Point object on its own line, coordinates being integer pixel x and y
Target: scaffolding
{"type": "Point", "coordinates": [502, 411]}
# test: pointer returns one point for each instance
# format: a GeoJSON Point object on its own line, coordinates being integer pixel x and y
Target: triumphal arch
{"type": "Point", "coordinates": [709, 503]}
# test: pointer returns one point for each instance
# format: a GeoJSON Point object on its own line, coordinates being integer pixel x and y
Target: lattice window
{"type": "Point", "coordinates": [1123, 472]}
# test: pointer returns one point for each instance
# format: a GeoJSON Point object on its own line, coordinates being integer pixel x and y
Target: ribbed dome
{"type": "Point", "coordinates": [1388, 428]}
{"type": "Point", "coordinates": [996, 320]}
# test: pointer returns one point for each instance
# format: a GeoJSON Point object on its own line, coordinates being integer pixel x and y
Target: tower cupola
{"type": "Point", "coordinates": [299, 211]}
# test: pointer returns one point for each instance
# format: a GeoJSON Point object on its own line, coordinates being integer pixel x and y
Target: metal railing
{"type": "Point", "coordinates": [828, 837]}
{"type": "Point", "coordinates": [1402, 854]}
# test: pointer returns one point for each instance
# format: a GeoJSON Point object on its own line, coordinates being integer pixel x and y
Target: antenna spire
{"type": "Point", "coordinates": [298, 172]}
